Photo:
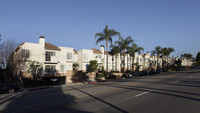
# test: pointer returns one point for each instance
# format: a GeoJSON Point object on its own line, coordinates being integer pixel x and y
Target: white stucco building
{"type": "Point", "coordinates": [58, 61]}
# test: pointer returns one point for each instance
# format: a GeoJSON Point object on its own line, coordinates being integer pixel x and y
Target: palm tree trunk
{"type": "Point", "coordinates": [116, 63]}
{"type": "Point", "coordinates": [157, 63]}
{"type": "Point", "coordinates": [127, 62]}
{"type": "Point", "coordinates": [167, 61]}
{"type": "Point", "coordinates": [124, 61]}
{"type": "Point", "coordinates": [133, 59]}
{"type": "Point", "coordinates": [107, 58]}
{"type": "Point", "coordinates": [112, 63]}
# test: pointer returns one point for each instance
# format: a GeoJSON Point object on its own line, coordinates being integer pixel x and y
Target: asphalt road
{"type": "Point", "coordinates": [176, 92]}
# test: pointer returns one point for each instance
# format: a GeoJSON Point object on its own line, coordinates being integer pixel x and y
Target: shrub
{"type": "Point", "coordinates": [92, 67]}
{"type": "Point", "coordinates": [101, 75]}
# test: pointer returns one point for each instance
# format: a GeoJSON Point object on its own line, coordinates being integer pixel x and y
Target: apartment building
{"type": "Point", "coordinates": [53, 60]}
{"type": "Point", "coordinates": [58, 61]}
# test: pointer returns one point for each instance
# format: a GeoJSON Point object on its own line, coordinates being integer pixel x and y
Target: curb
{"type": "Point", "coordinates": [108, 80]}
{"type": "Point", "coordinates": [32, 89]}
{"type": "Point", "coordinates": [93, 82]}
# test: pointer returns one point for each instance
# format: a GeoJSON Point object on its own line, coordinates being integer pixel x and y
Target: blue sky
{"type": "Point", "coordinates": [73, 23]}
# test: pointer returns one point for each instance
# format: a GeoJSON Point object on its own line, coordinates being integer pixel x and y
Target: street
{"type": "Point", "coordinates": [173, 92]}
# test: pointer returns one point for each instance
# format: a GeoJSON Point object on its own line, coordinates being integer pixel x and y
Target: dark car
{"type": "Point", "coordinates": [136, 73]}
{"type": "Point", "coordinates": [128, 75]}
{"type": "Point", "coordinates": [155, 72]}
{"type": "Point", "coordinates": [145, 72]}
{"type": "Point", "coordinates": [152, 72]}
{"type": "Point", "coordinates": [8, 87]}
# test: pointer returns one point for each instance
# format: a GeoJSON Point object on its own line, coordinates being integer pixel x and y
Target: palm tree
{"type": "Point", "coordinates": [114, 51]}
{"type": "Point", "coordinates": [157, 51]}
{"type": "Point", "coordinates": [132, 50]}
{"type": "Point", "coordinates": [106, 35]}
{"type": "Point", "coordinates": [169, 51]}
{"type": "Point", "coordinates": [124, 45]}
{"type": "Point", "coordinates": [186, 55]}
{"type": "Point", "coordinates": [164, 52]}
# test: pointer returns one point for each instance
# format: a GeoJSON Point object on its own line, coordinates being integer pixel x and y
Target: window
{"type": "Point", "coordinates": [69, 56]}
{"type": "Point", "coordinates": [48, 55]}
{"type": "Point", "coordinates": [62, 68]}
{"type": "Point", "coordinates": [98, 56]}
{"type": "Point", "coordinates": [50, 68]}
{"type": "Point", "coordinates": [85, 56]}
{"type": "Point", "coordinates": [25, 53]}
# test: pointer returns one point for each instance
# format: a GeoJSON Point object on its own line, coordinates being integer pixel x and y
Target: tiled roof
{"type": "Point", "coordinates": [75, 52]}
{"type": "Point", "coordinates": [143, 55]}
{"type": "Point", "coordinates": [51, 47]}
{"type": "Point", "coordinates": [96, 51]}
{"type": "Point", "coordinates": [19, 46]}
{"type": "Point", "coordinates": [107, 53]}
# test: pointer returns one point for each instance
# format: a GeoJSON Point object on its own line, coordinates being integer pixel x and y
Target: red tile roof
{"type": "Point", "coordinates": [96, 51]}
{"type": "Point", "coordinates": [51, 47]}
{"type": "Point", "coordinates": [75, 52]}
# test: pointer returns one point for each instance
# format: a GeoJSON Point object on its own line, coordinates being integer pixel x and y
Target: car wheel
{"type": "Point", "coordinates": [11, 90]}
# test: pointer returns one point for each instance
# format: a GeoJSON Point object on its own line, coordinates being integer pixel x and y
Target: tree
{"type": "Point", "coordinates": [166, 51]}
{"type": "Point", "coordinates": [178, 63]}
{"type": "Point", "coordinates": [106, 35]}
{"type": "Point", "coordinates": [198, 58]}
{"type": "Point", "coordinates": [186, 55]}
{"type": "Point", "coordinates": [124, 45]}
{"type": "Point", "coordinates": [169, 51]}
{"type": "Point", "coordinates": [92, 67]}
{"type": "Point", "coordinates": [6, 48]}
{"type": "Point", "coordinates": [114, 51]}
{"type": "Point", "coordinates": [75, 66]}
{"type": "Point", "coordinates": [18, 62]}
{"type": "Point", "coordinates": [157, 51]}
{"type": "Point", "coordinates": [137, 66]}
{"type": "Point", "coordinates": [164, 54]}
{"type": "Point", "coordinates": [35, 69]}
{"type": "Point", "coordinates": [132, 50]}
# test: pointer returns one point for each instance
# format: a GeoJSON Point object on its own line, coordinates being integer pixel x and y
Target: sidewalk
{"type": "Point", "coordinates": [69, 84]}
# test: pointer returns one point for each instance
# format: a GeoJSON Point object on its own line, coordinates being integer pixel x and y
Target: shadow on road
{"type": "Point", "coordinates": [107, 103]}
{"type": "Point", "coordinates": [157, 91]}
{"type": "Point", "coordinates": [52, 100]}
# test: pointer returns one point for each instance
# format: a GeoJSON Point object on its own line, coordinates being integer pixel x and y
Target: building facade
{"type": "Point", "coordinates": [58, 61]}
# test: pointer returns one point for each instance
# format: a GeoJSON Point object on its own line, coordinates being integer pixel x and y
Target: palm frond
{"type": "Point", "coordinates": [100, 39]}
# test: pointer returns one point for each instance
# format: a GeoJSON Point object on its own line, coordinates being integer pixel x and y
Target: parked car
{"type": "Point", "coordinates": [136, 74]}
{"type": "Point", "coordinates": [128, 75]}
{"type": "Point", "coordinates": [145, 72]}
{"type": "Point", "coordinates": [8, 87]}
{"type": "Point", "coordinates": [154, 72]}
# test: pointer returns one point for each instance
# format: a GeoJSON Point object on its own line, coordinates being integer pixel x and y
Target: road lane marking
{"type": "Point", "coordinates": [175, 82]}
{"type": "Point", "coordinates": [81, 96]}
{"type": "Point", "coordinates": [142, 93]}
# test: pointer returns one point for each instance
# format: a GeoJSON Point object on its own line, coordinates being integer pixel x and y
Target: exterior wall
{"type": "Point", "coordinates": [84, 62]}
{"type": "Point", "coordinates": [38, 51]}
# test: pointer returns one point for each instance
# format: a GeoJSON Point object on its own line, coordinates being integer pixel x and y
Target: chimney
{"type": "Point", "coordinates": [102, 49]}
{"type": "Point", "coordinates": [148, 54]}
{"type": "Point", "coordinates": [42, 41]}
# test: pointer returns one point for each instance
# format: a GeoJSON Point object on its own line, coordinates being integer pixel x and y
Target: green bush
{"type": "Point", "coordinates": [92, 67]}
{"type": "Point", "coordinates": [114, 71]}
{"type": "Point", "coordinates": [101, 75]}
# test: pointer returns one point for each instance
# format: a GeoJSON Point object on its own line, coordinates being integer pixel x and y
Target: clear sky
{"type": "Point", "coordinates": [73, 23]}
